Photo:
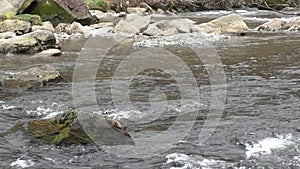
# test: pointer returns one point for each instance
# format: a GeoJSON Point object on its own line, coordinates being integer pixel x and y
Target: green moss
{"type": "Point", "coordinates": [97, 4]}
{"type": "Point", "coordinates": [35, 19]}
{"type": "Point", "coordinates": [63, 134]}
{"type": "Point", "coordinates": [49, 10]}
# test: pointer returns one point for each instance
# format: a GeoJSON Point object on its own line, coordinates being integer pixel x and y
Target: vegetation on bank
{"type": "Point", "coordinates": [190, 5]}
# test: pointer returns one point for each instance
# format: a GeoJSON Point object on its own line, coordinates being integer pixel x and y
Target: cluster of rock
{"type": "Point", "coordinates": [291, 24]}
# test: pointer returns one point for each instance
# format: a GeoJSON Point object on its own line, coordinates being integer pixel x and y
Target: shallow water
{"type": "Point", "coordinates": [259, 126]}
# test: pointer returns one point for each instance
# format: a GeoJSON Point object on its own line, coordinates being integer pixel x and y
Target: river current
{"type": "Point", "coordinates": [258, 128]}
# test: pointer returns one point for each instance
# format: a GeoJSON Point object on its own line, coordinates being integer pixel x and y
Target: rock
{"type": "Point", "coordinates": [56, 11]}
{"type": "Point", "coordinates": [141, 23]}
{"type": "Point", "coordinates": [182, 25]}
{"type": "Point", "coordinates": [45, 26]}
{"type": "Point", "coordinates": [17, 26]}
{"type": "Point", "coordinates": [125, 27]}
{"type": "Point", "coordinates": [7, 35]}
{"type": "Point", "coordinates": [136, 10]}
{"type": "Point", "coordinates": [62, 28]}
{"type": "Point", "coordinates": [171, 31]}
{"type": "Point", "coordinates": [74, 28]}
{"type": "Point", "coordinates": [7, 11]}
{"type": "Point", "coordinates": [152, 30]}
{"type": "Point", "coordinates": [160, 11]}
{"type": "Point", "coordinates": [67, 129]}
{"type": "Point", "coordinates": [232, 23]}
{"type": "Point", "coordinates": [29, 43]}
{"type": "Point", "coordinates": [273, 25]}
{"type": "Point", "coordinates": [33, 77]}
{"type": "Point", "coordinates": [132, 17]}
{"type": "Point", "coordinates": [293, 24]}
{"type": "Point", "coordinates": [101, 25]}
{"type": "Point", "coordinates": [33, 19]}
{"type": "Point", "coordinates": [48, 53]}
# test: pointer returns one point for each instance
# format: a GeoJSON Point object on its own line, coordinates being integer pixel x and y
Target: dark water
{"type": "Point", "coordinates": [259, 126]}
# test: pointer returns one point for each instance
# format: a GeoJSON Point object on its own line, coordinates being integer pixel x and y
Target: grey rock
{"type": "Point", "coordinates": [17, 26]}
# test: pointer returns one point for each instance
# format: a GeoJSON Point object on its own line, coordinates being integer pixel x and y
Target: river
{"type": "Point", "coordinates": [259, 127]}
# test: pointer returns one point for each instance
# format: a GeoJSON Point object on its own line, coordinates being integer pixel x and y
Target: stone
{"type": "Point", "coordinates": [132, 17]}
{"type": "Point", "coordinates": [76, 27]}
{"type": "Point", "coordinates": [102, 25]}
{"type": "Point", "coordinates": [33, 77]}
{"type": "Point", "coordinates": [48, 53]}
{"type": "Point", "coordinates": [56, 11]}
{"type": "Point", "coordinates": [66, 129]}
{"type": "Point", "coordinates": [32, 19]}
{"type": "Point", "coordinates": [29, 43]}
{"type": "Point", "coordinates": [152, 30]}
{"type": "Point", "coordinates": [125, 27]}
{"type": "Point", "coordinates": [136, 10]}
{"type": "Point", "coordinates": [160, 11]}
{"type": "Point", "coordinates": [17, 26]}
{"type": "Point", "coordinates": [7, 11]}
{"type": "Point", "coordinates": [232, 23]}
{"type": "Point", "coordinates": [183, 25]}
{"type": "Point", "coordinates": [45, 26]}
{"type": "Point", "coordinates": [141, 23]}
{"type": "Point", "coordinates": [293, 24]}
{"type": "Point", "coordinates": [171, 31]}
{"type": "Point", "coordinates": [273, 25]}
{"type": "Point", "coordinates": [7, 35]}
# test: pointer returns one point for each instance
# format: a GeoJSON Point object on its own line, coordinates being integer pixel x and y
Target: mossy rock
{"type": "Point", "coordinates": [63, 130]}
{"type": "Point", "coordinates": [33, 19]}
{"type": "Point", "coordinates": [97, 4]}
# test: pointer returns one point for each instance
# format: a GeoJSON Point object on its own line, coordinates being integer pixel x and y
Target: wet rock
{"type": "Point", "coordinates": [17, 26]}
{"type": "Point", "coordinates": [273, 25]}
{"type": "Point", "coordinates": [33, 77]}
{"type": "Point", "coordinates": [45, 26]}
{"type": "Point", "coordinates": [136, 10]}
{"type": "Point", "coordinates": [48, 53]}
{"type": "Point", "coordinates": [66, 129]}
{"type": "Point", "coordinates": [6, 10]}
{"type": "Point", "coordinates": [292, 24]}
{"type": "Point", "coordinates": [56, 11]}
{"type": "Point", "coordinates": [7, 35]}
{"type": "Point", "coordinates": [125, 27]}
{"type": "Point", "coordinates": [232, 23]}
{"type": "Point", "coordinates": [29, 43]}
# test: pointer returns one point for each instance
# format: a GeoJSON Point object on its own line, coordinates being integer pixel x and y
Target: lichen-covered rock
{"type": "Point", "coordinates": [17, 26]}
{"type": "Point", "coordinates": [56, 11]}
{"type": "Point", "coordinates": [232, 23]}
{"type": "Point", "coordinates": [33, 77]}
{"type": "Point", "coordinates": [29, 43]}
{"type": "Point", "coordinates": [7, 11]}
{"type": "Point", "coordinates": [66, 129]}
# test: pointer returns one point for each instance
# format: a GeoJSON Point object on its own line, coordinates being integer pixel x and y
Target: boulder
{"type": "Point", "coordinates": [182, 25]}
{"type": "Point", "coordinates": [48, 53]}
{"type": "Point", "coordinates": [56, 11]}
{"type": "Point", "coordinates": [132, 17]}
{"type": "Point", "coordinates": [232, 23]}
{"type": "Point", "coordinates": [7, 35]}
{"type": "Point", "coordinates": [74, 28]}
{"type": "Point", "coordinates": [17, 26]}
{"type": "Point", "coordinates": [33, 19]}
{"type": "Point", "coordinates": [67, 129]}
{"type": "Point", "coordinates": [33, 77]}
{"type": "Point", "coordinates": [293, 24]}
{"type": "Point", "coordinates": [152, 30]}
{"type": "Point", "coordinates": [48, 26]}
{"type": "Point", "coordinates": [136, 10]}
{"type": "Point", "coordinates": [141, 23]}
{"type": "Point", "coordinates": [171, 31]}
{"type": "Point", "coordinates": [125, 27]}
{"type": "Point", "coordinates": [7, 11]}
{"type": "Point", "coordinates": [29, 43]}
{"type": "Point", "coordinates": [273, 25]}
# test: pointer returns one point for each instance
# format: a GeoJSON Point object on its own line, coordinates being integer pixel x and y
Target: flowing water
{"type": "Point", "coordinates": [259, 127]}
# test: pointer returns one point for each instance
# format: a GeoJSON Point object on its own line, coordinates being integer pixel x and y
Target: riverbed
{"type": "Point", "coordinates": [259, 126]}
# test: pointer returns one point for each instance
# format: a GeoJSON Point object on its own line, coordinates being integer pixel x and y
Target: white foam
{"type": "Point", "coordinates": [22, 163]}
{"type": "Point", "coordinates": [266, 145]}
{"type": "Point", "coordinates": [257, 19]}
{"type": "Point", "coordinates": [187, 162]}
{"type": "Point", "coordinates": [53, 114]}
{"type": "Point", "coordinates": [124, 114]}
{"type": "Point", "coordinates": [8, 107]}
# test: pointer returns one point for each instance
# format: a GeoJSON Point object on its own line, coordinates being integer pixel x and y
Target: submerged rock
{"type": "Point", "coordinates": [232, 23]}
{"type": "Point", "coordinates": [66, 129]}
{"type": "Point", "coordinates": [29, 43]}
{"type": "Point", "coordinates": [33, 77]}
